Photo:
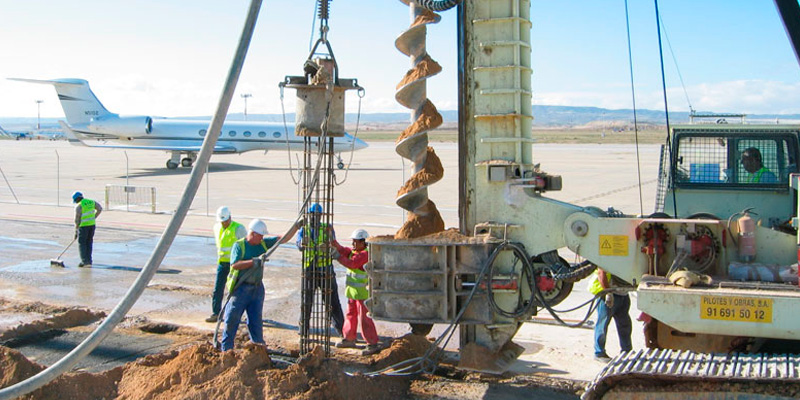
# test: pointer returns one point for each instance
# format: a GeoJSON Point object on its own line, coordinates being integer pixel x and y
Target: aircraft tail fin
{"type": "Point", "coordinates": [79, 103]}
{"type": "Point", "coordinates": [72, 136]}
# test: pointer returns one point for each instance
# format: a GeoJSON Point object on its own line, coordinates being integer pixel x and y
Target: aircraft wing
{"type": "Point", "coordinates": [77, 138]}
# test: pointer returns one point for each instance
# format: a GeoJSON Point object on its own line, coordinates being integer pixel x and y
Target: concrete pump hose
{"type": "Point", "coordinates": [105, 328]}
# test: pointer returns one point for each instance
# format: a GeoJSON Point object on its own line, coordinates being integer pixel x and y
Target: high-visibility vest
{"type": "Point", "coordinates": [87, 212]}
{"type": "Point", "coordinates": [357, 281]}
{"type": "Point", "coordinates": [225, 238]}
{"type": "Point", "coordinates": [323, 259]}
{"type": "Point", "coordinates": [756, 177]}
{"type": "Point", "coordinates": [233, 274]}
{"type": "Point", "coordinates": [594, 285]}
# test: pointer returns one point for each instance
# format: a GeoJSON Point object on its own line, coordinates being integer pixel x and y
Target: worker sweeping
{"type": "Point", "coordinates": [354, 260]}
{"type": "Point", "coordinates": [86, 212]}
{"type": "Point", "coordinates": [244, 281]}
{"type": "Point", "coordinates": [226, 233]}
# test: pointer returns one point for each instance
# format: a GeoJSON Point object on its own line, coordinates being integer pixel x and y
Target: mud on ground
{"type": "Point", "coordinates": [193, 368]}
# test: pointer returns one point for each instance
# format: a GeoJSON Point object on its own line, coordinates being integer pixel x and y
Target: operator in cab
{"type": "Point", "coordinates": [758, 173]}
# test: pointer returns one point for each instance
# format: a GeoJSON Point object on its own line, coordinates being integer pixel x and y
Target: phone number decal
{"type": "Point", "coordinates": [729, 308]}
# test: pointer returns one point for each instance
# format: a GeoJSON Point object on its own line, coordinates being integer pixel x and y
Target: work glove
{"type": "Point", "coordinates": [257, 262]}
{"type": "Point", "coordinates": [334, 253]}
{"type": "Point", "coordinates": [609, 300]}
{"type": "Point", "coordinates": [76, 233]}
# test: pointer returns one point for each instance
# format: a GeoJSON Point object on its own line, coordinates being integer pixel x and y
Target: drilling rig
{"type": "Point", "coordinates": [713, 221]}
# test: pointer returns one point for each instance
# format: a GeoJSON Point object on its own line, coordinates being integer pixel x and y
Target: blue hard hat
{"type": "Point", "coordinates": [315, 208]}
{"type": "Point", "coordinates": [76, 196]}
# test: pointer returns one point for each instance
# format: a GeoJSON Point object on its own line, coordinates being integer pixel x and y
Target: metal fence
{"type": "Point", "coordinates": [131, 197]}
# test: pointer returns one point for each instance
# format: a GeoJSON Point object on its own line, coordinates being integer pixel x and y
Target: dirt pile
{"type": "Point", "coordinates": [402, 349]}
{"type": "Point", "coordinates": [429, 118]}
{"type": "Point", "coordinates": [15, 368]}
{"type": "Point", "coordinates": [199, 372]}
{"type": "Point", "coordinates": [430, 173]}
{"type": "Point", "coordinates": [70, 318]}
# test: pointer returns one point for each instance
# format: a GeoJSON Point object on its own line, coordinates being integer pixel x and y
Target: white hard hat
{"type": "Point", "coordinates": [258, 226]}
{"type": "Point", "coordinates": [223, 214]}
{"type": "Point", "coordinates": [359, 234]}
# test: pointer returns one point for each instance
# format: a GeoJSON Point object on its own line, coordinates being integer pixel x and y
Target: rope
{"type": "Point", "coordinates": [635, 118]}
{"type": "Point", "coordinates": [666, 109]}
{"type": "Point", "coordinates": [361, 93]}
{"type": "Point", "coordinates": [288, 149]}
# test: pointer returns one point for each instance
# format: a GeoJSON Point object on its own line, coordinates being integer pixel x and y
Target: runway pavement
{"type": "Point", "coordinates": [36, 213]}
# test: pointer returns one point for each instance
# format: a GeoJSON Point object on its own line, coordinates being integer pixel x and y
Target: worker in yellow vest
{"type": "Point", "coordinates": [614, 305]}
{"type": "Point", "coordinates": [226, 233]}
{"type": "Point", "coordinates": [357, 281]}
{"type": "Point", "coordinates": [86, 212]}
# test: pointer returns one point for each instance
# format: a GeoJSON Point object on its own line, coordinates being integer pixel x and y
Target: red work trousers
{"type": "Point", "coordinates": [356, 310]}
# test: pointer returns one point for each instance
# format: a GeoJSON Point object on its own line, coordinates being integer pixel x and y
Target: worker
{"type": "Point", "coordinates": [226, 233]}
{"type": "Point", "coordinates": [312, 241]}
{"type": "Point", "coordinates": [86, 212]}
{"type": "Point", "coordinates": [357, 280]}
{"type": "Point", "coordinates": [610, 305]}
{"type": "Point", "coordinates": [244, 282]}
{"type": "Point", "coordinates": [751, 160]}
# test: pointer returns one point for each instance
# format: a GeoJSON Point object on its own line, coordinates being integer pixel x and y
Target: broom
{"type": "Point", "coordinates": [57, 262]}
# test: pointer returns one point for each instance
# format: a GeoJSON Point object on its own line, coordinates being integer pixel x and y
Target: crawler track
{"type": "Point", "coordinates": [671, 374]}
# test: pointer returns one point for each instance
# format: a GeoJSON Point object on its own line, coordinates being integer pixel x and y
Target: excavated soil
{"type": "Point", "coordinates": [424, 17]}
{"type": "Point", "coordinates": [423, 69]}
{"type": "Point", "coordinates": [430, 173]}
{"type": "Point", "coordinates": [429, 118]}
{"type": "Point", "coordinates": [778, 389]}
{"type": "Point", "coordinates": [423, 221]}
{"type": "Point", "coordinates": [66, 319]}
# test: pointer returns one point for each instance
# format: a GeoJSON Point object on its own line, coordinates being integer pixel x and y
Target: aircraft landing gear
{"type": "Point", "coordinates": [171, 164]}
{"type": "Point", "coordinates": [186, 162]}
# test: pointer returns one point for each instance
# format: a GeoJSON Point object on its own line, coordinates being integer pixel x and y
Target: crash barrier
{"type": "Point", "coordinates": [136, 197]}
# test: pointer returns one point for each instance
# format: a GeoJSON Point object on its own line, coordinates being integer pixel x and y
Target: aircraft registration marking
{"type": "Point", "coordinates": [613, 245]}
{"type": "Point", "coordinates": [734, 308]}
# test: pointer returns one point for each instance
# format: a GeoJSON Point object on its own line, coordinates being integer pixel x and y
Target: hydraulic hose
{"type": "Point", "coordinates": [116, 315]}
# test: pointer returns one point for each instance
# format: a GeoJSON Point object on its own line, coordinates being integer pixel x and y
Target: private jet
{"type": "Point", "coordinates": [88, 119]}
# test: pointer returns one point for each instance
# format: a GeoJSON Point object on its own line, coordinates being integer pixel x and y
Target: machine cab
{"type": "Point", "coordinates": [722, 169]}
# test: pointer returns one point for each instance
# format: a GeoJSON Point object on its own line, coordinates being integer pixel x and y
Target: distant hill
{"type": "Point", "coordinates": [544, 116]}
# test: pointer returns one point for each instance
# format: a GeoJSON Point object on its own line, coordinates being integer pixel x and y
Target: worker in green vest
{"type": "Point", "coordinates": [354, 258]}
{"type": "Point", "coordinates": [313, 240]}
{"type": "Point", "coordinates": [86, 212]}
{"type": "Point", "coordinates": [754, 165]}
{"type": "Point", "coordinates": [226, 233]}
{"type": "Point", "coordinates": [611, 304]}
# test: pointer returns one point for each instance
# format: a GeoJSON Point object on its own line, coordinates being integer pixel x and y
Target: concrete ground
{"type": "Point", "coordinates": [37, 218]}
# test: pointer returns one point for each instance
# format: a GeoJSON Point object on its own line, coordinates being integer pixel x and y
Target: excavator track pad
{"type": "Point", "coordinates": [677, 374]}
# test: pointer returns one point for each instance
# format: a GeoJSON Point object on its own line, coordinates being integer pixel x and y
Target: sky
{"type": "Point", "coordinates": [170, 58]}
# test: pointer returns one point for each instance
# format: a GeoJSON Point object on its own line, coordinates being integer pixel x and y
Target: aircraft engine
{"type": "Point", "coordinates": [134, 126]}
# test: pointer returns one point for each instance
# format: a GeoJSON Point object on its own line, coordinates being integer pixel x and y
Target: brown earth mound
{"type": "Point", "coordinates": [430, 173]}
{"type": "Point", "coordinates": [67, 319]}
{"type": "Point", "coordinates": [429, 118]}
{"type": "Point", "coordinates": [402, 349]}
{"type": "Point", "coordinates": [423, 69]}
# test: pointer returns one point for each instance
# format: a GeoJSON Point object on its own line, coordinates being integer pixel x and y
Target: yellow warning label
{"type": "Point", "coordinates": [614, 245]}
{"type": "Point", "coordinates": [730, 308]}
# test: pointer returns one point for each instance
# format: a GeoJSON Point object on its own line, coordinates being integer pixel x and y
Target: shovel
{"type": "Point", "coordinates": [57, 262]}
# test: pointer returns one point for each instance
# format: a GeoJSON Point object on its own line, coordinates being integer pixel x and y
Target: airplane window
{"type": "Point", "coordinates": [246, 134]}
{"type": "Point", "coordinates": [276, 134]}
{"type": "Point", "coordinates": [262, 134]}
{"type": "Point", "coordinates": [202, 133]}
{"type": "Point", "coordinates": [232, 133]}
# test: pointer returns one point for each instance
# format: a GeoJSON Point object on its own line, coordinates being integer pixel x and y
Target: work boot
{"type": "Point", "coordinates": [212, 318]}
{"type": "Point", "coordinates": [604, 358]}
{"type": "Point", "coordinates": [346, 344]}
{"type": "Point", "coordinates": [370, 350]}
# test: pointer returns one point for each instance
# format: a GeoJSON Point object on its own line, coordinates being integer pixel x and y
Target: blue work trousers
{"type": "Point", "coordinates": [246, 298]}
{"type": "Point", "coordinates": [618, 311]}
{"type": "Point", "coordinates": [219, 287]}
{"type": "Point", "coordinates": [85, 242]}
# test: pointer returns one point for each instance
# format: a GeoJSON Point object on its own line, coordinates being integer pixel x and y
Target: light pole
{"type": "Point", "coordinates": [38, 114]}
{"type": "Point", "coordinates": [246, 96]}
